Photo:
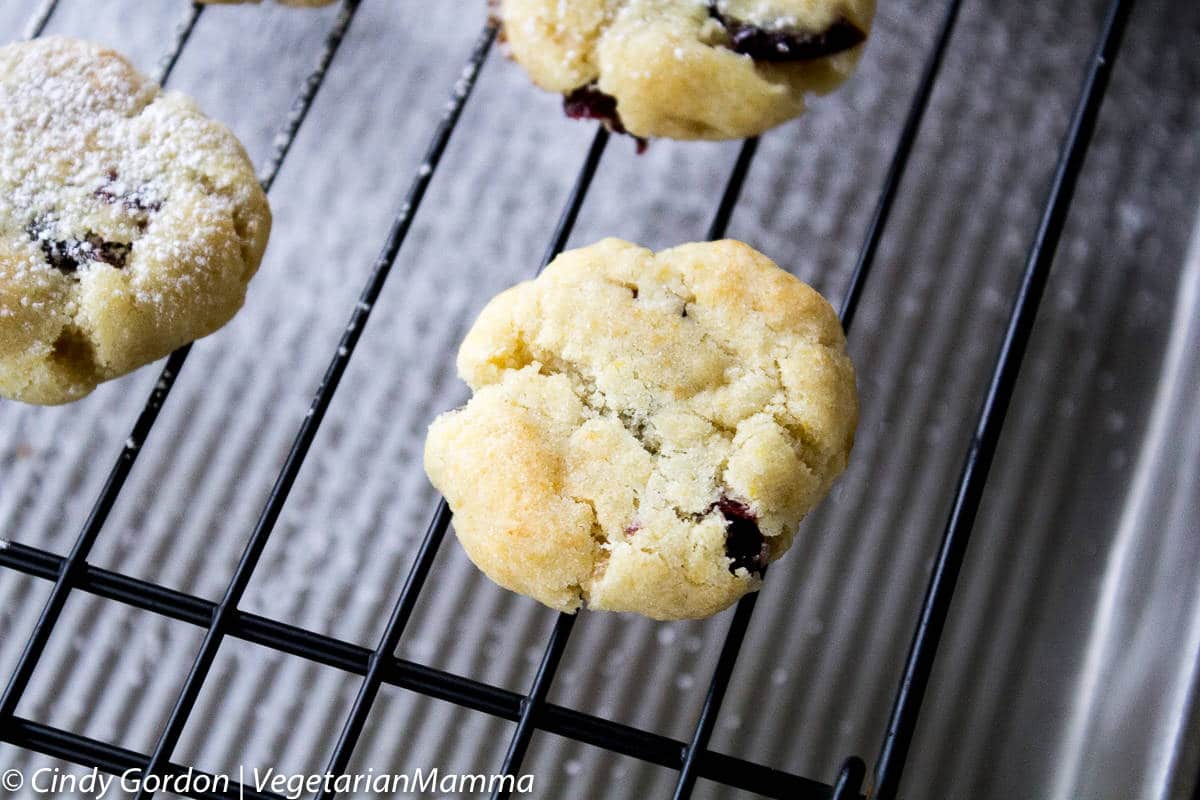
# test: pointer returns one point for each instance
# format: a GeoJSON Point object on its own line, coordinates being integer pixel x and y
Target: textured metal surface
{"type": "Point", "coordinates": [1068, 667]}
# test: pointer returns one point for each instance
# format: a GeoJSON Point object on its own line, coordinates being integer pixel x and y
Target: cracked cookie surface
{"type": "Point", "coordinates": [690, 69]}
{"type": "Point", "coordinates": [130, 224]}
{"type": "Point", "coordinates": [646, 430]}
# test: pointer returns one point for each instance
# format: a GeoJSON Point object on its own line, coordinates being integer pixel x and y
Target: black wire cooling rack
{"type": "Point", "coordinates": [692, 759]}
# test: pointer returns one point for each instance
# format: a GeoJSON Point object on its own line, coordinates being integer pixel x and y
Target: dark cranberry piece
{"type": "Point", "coordinates": [137, 200]}
{"type": "Point", "coordinates": [68, 255]}
{"type": "Point", "coordinates": [113, 253]}
{"type": "Point", "coordinates": [788, 44]}
{"type": "Point", "coordinates": [61, 256]}
{"type": "Point", "coordinates": [744, 542]}
{"type": "Point", "coordinates": [588, 102]}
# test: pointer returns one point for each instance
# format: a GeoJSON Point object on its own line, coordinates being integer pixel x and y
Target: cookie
{"type": "Point", "coordinates": [646, 430]}
{"type": "Point", "coordinates": [687, 69]}
{"type": "Point", "coordinates": [130, 223]}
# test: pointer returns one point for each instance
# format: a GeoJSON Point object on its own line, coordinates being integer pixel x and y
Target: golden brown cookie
{"type": "Point", "coordinates": [647, 430]}
{"type": "Point", "coordinates": [130, 223]}
{"type": "Point", "coordinates": [687, 69]}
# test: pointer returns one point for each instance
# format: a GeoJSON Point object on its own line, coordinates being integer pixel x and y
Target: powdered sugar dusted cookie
{"type": "Point", "coordinates": [647, 430]}
{"type": "Point", "coordinates": [130, 223]}
{"type": "Point", "coordinates": [687, 69]}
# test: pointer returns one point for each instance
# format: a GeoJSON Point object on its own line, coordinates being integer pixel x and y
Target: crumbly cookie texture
{"type": "Point", "coordinates": [130, 223]}
{"type": "Point", "coordinates": [646, 430]}
{"type": "Point", "coordinates": [687, 69]}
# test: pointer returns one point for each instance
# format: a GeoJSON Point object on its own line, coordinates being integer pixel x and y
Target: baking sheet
{"type": "Point", "coordinates": [1067, 669]}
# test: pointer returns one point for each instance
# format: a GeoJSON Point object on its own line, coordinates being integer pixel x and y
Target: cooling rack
{"type": "Point", "coordinates": [532, 711]}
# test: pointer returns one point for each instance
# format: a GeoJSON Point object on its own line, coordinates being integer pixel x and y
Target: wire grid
{"type": "Point", "coordinates": [531, 711]}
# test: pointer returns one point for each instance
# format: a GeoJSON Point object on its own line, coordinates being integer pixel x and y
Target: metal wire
{"type": "Point", "coordinates": [533, 704]}
{"type": "Point", "coordinates": [442, 515]}
{"type": "Point", "coordinates": [355, 659]}
{"type": "Point", "coordinates": [41, 17]}
{"type": "Point", "coordinates": [849, 780]}
{"type": "Point", "coordinates": [183, 32]}
{"type": "Point", "coordinates": [368, 690]}
{"type": "Point", "coordinates": [282, 145]}
{"type": "Point", "coordinates": [71, 567]}
{"type": "Point", "coordinates": [583, 182]}
{"type": "Point", "coordinates": [52, 610]}
{"type": "Point", "coordinates": [166, 381]}
{"type": "Point", "coordinates": [717, 687]}
{"type": "Point", "coordinates": [557, 645]}
{"type": "Point", "coordinates": [436, 531]}
{"type": "Point", "coordinates": [723, 672]}
{"type": "Point", "coordinates": [190, 692]}
{"type": "Point", "coordinates": [978, 461]}
{"type": "Point", "coordinates": [733, 189]}
{"type": "Point", "coordinates": [898, 166]}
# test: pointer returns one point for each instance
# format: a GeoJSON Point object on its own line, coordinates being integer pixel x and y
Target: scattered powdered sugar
{"type": "Point", "coordinates": [119, 203]}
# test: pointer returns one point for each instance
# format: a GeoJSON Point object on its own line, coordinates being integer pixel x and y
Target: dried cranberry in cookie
{"type": "Point", "coordinates": [67, 256]}
{"type": "Point", "coordinates": [766, 31]}
{"type": "Point", "coordinates": [744, 543]}
{"type": "Point", "coordinates": [621, 454]}
{"type": "Point", "coordinates": [588, 102]}
{"type": "Point", "coordinates": [130, 223]}
{"type": "Point", "coordinates": [690, 69]}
